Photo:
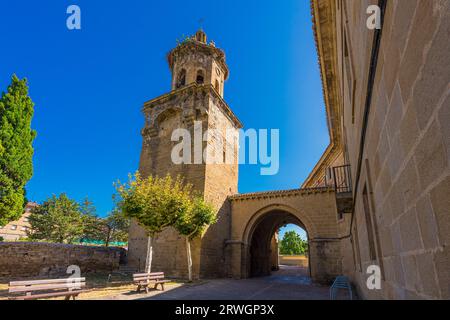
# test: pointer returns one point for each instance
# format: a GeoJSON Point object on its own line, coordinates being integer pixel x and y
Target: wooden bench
{"type": "Point", "coordinates": [39, 289]}
{"type": "Point", "coordinates": [143, 280]}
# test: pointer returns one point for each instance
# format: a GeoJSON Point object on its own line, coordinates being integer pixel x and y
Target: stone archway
{"type": "Point", "coordinates": [257, 215]}
{"type": "Point", "coordinates": [261, 248]}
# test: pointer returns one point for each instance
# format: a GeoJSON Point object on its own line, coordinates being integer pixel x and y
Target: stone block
{"type": "Point", "coordinates": [412, 281]}
{"type": "Point", "coordinates": [431, 156]}
{"type": "Point", "coordinates": [409, 130]}
{"type": "Point", "coordinates": [442, 260]}
{"type": "Point", "coordinates": [427, 274]}
{"type": "Point", "coordinates": [409, 230]}
{"type": "Point", "coordinates": [444, 124]}
{"type": "Point", "coordinates": [427, 222]}
{"type": "Point", "coordinates": [424, 25]}
{"type": "Point", "coordinates": [440, 200]}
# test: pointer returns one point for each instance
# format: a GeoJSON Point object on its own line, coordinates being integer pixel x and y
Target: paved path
{"type": "Point", "coordinates": [290, 283]}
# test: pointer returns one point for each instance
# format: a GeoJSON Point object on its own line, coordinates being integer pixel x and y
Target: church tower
{"type": "Point", "coordinates": [195, 104]}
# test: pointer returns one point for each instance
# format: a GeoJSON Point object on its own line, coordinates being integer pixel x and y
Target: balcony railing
{"type": "Point", "coordinates": [342, 179]}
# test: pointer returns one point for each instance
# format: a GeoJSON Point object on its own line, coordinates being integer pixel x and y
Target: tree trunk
{"type": "Point", "coordinates": [148, 260]}
{"type": "Point", "coordinates": [189, 258]}
{"type": "Point", "coordinates": [108, 237]}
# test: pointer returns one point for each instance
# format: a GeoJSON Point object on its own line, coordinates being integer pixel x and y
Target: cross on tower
{"type": "Point", "coordinates": [200, 22]}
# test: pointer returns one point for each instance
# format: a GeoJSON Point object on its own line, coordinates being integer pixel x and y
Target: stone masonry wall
{"type": "Point", "coordinates": [32, 259]}
{"type": "Point", "coordinates": [402, 218]}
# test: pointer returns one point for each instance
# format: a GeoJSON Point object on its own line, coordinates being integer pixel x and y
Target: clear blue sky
{"type": "Point", "coordinates": [89, 85]}
{"type": "Point", "coordinates": [292, 227]}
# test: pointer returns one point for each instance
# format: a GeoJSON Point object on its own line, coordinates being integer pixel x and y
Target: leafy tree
{"type": "Point", "coordinates": [155, 203]}
{"type": "Point", "coordinates": [92, 227]}
{"type": "Point", "coordinates": [16, 150]}
{"type": "Point", "coordinates": [293, 244]}
{"type": "Point", "coordinates": [58, 219]}
{"type": "Point", "coordinates": [194, 221]}
{"type": "Point", "coordinates": [112, 228]}
{"type": "Point", "coordinates": [116, 227]}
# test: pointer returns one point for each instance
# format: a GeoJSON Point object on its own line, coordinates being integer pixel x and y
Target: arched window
{"type": "Point", "coordinates": [217, 86]}
{"type": "Point", "coordinates": [181, 79]}
{"type": "Point", "coordinates": [200, 78]}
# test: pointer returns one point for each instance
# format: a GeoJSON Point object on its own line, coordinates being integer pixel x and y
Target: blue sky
{"type": "Point", "coordinates": [292, 227]}
{"type": "Point", "coordinates": [89, 85]}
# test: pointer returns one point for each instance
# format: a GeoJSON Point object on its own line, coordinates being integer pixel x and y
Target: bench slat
{"type": "Point", "coordinates": [46, 287]}
{"type": "Point", "coordinates": [49, 295]}
{"type": "Point", "coordinates": [148, 274]}
{"type": "Point", "coordinates": [152, 281]}
{"type": "Point", "coordinates": [149, 278]}
{"type": "Point", "coordinates": [47, 281]}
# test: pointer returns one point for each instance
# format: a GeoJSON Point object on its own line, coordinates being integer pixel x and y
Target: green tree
{"type": "Point", "coordinates": [92, 224]}
{"type": "Point", "coordinates": [194, 222]}
{"type": "Point", "coordinates": [155, 203]}
{"type": "Point", "coordinates": [16, 149]}
{"type": "Point", "coordinates": [112, 228]}
{"type": "Point", "coordinates": [116, 227]}
{"type": "Point", "coordinates": [293, 244]}
{"type": "Point", "coordinates": [58, 219]}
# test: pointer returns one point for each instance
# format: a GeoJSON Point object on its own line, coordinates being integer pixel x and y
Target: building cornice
{"type": "Point", "coordinates": [324, 22]}
{"type": "Point", "coordinates": [279, 193]}
{"type": "Point", "coordinates": [191, 89]}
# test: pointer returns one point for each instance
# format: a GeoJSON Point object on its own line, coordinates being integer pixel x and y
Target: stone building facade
{"type": "Point", "coordinates": [379, 194]}
{"type": "Point", "coordinates": [387, 94]}
{"type": "Point", "coordinates": [16, 230]}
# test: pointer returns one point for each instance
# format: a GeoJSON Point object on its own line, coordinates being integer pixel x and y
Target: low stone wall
{"type": "Point", "coordinates": [300, 261]}
{"type": "Point", "coordinates": [33, 259]}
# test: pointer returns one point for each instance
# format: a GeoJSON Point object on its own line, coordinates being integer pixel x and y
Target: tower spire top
{"type": "Point", "coordinates": [200, 35]}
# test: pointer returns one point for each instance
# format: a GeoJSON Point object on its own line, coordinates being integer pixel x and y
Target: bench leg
{"type": "Point", "coordinates": [161, 284]}
{"type": "Point", "coordinates": [138, 288]}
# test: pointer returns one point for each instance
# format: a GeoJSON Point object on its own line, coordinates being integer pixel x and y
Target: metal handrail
{"type": "Point", "coordinates": [342, 179]}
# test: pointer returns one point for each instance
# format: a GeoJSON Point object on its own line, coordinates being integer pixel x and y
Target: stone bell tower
{"type": "Point", "coordinates": [195, 104]}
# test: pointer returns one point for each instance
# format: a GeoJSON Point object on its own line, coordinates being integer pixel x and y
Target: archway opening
{"type": "Point", "coordinates": [265, 244]}
{"type": "Point", "coordinates": [293, 250]}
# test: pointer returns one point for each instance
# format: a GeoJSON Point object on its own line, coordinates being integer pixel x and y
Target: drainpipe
{"type": "Point", "coordinates": [372, 71]}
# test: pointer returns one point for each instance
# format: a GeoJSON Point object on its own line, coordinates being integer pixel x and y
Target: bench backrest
{"type": "Point", "coordinates": [69, 284]}
{"type": "Point", "coordinates": [148, 276]}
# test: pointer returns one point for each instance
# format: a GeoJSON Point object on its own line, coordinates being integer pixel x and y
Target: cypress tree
{"type": "Point", "coordinates": [16, 148]}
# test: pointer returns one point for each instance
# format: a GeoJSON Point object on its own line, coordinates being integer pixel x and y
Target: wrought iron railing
{"type": "Point", "coordinates": [342, 179]}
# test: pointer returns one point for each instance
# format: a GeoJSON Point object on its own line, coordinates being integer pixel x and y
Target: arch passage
{"type": "Point", "coordinates": [263, 252]}
{"type": "Point", "coordinates": [314, 211]}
